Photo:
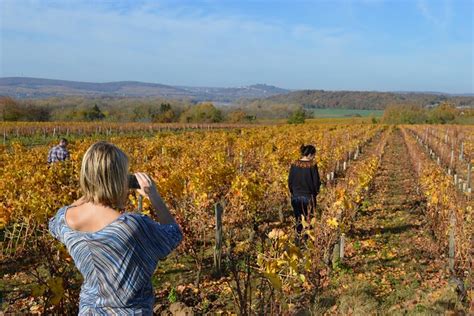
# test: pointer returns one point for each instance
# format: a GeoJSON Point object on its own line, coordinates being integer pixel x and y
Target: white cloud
{"type": "Point", "coordinates": [165, 40]}
{"type": "Point", "coordinates": [187, 46]}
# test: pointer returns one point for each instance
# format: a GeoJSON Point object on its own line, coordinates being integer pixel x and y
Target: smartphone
{"type": "Point", "coordinates": [133, 182]}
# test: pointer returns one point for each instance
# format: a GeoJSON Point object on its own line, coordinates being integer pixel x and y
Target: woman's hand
{"type": "Point", "coordinates": [147, 186]}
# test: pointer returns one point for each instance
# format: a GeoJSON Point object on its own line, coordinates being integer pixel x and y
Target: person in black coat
{"type": "Point", "coordinates": [304, 183]}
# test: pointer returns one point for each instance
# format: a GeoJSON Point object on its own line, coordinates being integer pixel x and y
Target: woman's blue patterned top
{"type": "Point", "coordinates": [117, 262]}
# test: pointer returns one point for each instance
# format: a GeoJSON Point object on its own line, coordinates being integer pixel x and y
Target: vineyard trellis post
{"type": "Point", "coordinates": [140, 203]}
{"type": "Point", "coordinates": [342, 246]}
{"type": "Point", "coordinates": [241, 161]}
{"type": "Point", "coordinates": [468, 176]}
{"type": "Point", "coordinates": [452, 241]}
{"type": "Point", "coordinates": [336, 253]}
{"type": "Point", "coordinates": [338, 250]}
{"type": "Point", "coordinates": [451, 160]}
{"type": "Point", "coordinates": [219, 209]}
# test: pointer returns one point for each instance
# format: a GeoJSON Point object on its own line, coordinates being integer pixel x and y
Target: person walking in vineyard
{"type": "Point", "coordinates": [59, 152]}
{"type": "Point", "coordinates": [115, 252]}
{"type": "Point", "coordinates": [304, 183]}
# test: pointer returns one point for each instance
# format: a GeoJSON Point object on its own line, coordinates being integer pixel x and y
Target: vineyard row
{"type": "Point", "coordinates": [449, 211]}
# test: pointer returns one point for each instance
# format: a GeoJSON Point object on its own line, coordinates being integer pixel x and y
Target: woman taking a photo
{"type": "Point", "coordinates": [115, 252]}
{"type": "Point", "coordinates": [304, 183]}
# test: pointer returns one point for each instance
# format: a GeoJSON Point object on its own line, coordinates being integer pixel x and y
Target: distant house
{"type": "Point", "coordinates": [432, 105]}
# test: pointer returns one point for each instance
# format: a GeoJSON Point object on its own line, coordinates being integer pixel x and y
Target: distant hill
{"type": "Point", "coordinates": [370, 100]}
{"type": "Point", "coordinates": [232, 94]}
{"type": "Point", "coordinates": [253, 96]}
{"type": "Point", "coordinates": [31, 88]}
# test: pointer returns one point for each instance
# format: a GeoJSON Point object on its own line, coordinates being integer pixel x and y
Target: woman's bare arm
{"type": "Point", "coordinates": [148, 189]}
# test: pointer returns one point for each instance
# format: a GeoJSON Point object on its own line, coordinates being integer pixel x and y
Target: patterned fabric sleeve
{"type": "Point", "coordinates": [62, 154]}
{"type": "Point", "coordinates": [50, 156]}
{"type": "Point", "coordinates": [55, 224]}
{"type": "Point", "coordinates": [163, 238]}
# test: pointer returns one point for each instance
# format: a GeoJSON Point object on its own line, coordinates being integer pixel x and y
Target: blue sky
{"type": "Point", "coordinates": [416, 45]}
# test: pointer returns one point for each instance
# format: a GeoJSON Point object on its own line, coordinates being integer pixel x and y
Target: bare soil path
{"type": "Point", "coordinates": [393, 265]}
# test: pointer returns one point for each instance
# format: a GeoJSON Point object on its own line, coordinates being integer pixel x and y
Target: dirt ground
{"type": "Point", "coordinates": [392, 264]}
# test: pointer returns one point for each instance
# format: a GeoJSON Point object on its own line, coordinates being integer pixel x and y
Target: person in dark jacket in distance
{"type": "Point", "coordinates": [304, 183]}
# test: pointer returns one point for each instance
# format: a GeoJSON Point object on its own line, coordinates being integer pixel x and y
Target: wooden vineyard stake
{"type": "Point", "coordinates": [452, 242]}
{"type": "Point", "coordinates": [335, 254]}
{"type": "Point", "coordinates": [140, 203]}
{"type": "Point", "coordinates": [281, 216]}
{"type": "Point", "coordinates": [241, 162]}
{"type": "Point", "coordinates": [468, 175]}
{"type": "Point", "coordinates": [218, 247]}
{"type": "Point", "coordinates": [341, 247]}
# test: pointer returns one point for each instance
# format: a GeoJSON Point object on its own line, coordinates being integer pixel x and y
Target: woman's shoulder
{"type": "Point", "coordinates": [56, 223]}
{"type": "Point", "coordinates": [137, 216]}
{"type": "Point", "coordinates": [143, 219]}
{"type": "Point", "coordinates": [59, 216]}
{"type": "Point", "coordinates": [154, 229]}
{"type": "Point", "coordinates": [59, 221]}
{"type": "Point", "coordinates": [138, 220]}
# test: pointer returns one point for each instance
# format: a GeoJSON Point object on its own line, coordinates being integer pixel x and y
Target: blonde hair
{"type": "Point", "coordinates": [104, 175]}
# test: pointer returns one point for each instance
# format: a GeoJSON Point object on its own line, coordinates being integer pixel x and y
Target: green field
{"type": "Point", "coordinates": [345, 113]}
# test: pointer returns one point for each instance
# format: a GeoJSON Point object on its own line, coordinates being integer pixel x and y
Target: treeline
{"type": "Point", "coordinates": [312, 99]}
{"type": "Point", "coordinates": [184, 111]}
{"type": "Point", "coordinates": [444, 113]}
{"type": "Point", "coordinates": [118, 110]}
{"type": "Point", "coordinates": [262, 111]}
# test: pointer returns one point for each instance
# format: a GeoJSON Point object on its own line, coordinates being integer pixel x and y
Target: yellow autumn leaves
{"type": "Point", "coordinates": [281, 264]}
{"type": "Point", "coordinates": [54, 285]}
{"type": "Point", "coordinates": [246, 168]}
